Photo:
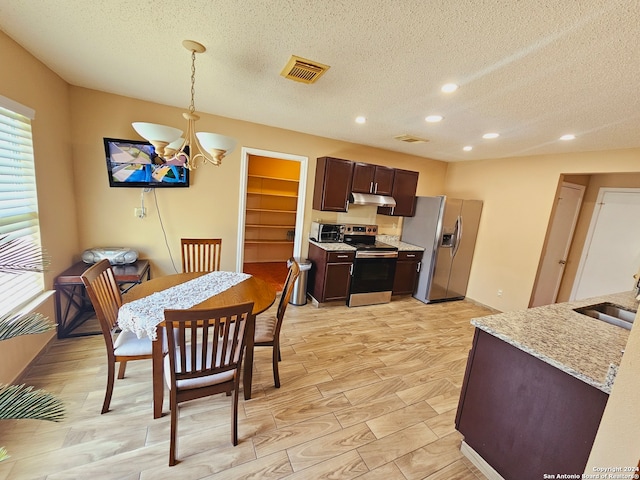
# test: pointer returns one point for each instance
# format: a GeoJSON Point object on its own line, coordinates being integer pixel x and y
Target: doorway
{"type": "Point", "coordinates": [556, 249]}
{"type": "Point", "coordinates": [272, 199]}
{"type": "Point", "coordinates": [611, 253]}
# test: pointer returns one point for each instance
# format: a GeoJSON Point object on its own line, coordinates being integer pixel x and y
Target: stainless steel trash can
{"type": "Point", "coordinates": [299, 292]}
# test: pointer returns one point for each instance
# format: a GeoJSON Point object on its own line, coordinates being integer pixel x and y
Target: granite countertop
{"type": "Point", "coordinates": [390, 239]}
{"type": "Point", "coordinates": [334, 246]}
{"type": "Point", "coordinates": [396, 242]}
{"type": "Point", "coordinates": [584, 347]}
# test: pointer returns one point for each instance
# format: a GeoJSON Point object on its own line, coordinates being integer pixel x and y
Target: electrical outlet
{"type": "Point", "coordinates": [140, 212]}
{"type": "Point", "coordinates": [500, 292]}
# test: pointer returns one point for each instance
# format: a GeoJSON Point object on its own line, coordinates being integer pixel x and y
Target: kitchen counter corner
{"type": "Point", "coordinates": [584, 347]}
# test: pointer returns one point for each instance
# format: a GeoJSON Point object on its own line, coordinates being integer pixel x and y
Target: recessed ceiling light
{"type": "Point", "coordinates": [449, 87]}
{"type": "Point", "coordinates": [569, 136]}
{"type": "Point", "coordinates": [434, 118]}
{"type": "Point", "coordinates": [490, 135]}
{"type": "Point", "coordinates": [468, 148]}
{"type": "Point", "coordinates": [361, 119]}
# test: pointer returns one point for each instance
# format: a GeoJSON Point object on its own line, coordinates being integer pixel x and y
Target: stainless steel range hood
{"type": "Point", "coordinates": [370, 199]}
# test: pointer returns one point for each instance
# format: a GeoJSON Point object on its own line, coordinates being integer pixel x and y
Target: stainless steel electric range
{"type": "Point", "coordinates": [374, 266]}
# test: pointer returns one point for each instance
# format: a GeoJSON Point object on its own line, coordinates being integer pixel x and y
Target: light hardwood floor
{"type": "Point", "coordinates": [367, 392]}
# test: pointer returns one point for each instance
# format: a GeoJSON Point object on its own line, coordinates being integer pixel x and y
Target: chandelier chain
{"type": "Point", "coordinates": [192, 107]}
{"type": "Point", "coordinates": [204, 147]}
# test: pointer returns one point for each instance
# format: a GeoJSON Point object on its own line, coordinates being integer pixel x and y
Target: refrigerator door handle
{"type": "Point", "coordinates": [457, 235]}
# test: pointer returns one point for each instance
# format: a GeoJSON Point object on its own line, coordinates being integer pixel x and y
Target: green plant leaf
{"type": "Point", "coordinates": [22, 402]}
{"type": "Point", "coordinates": [3, 454]}
{"type": "Point", "coordinates": [19, 255]}
{"type": "Point", "coordinates": [14, 325]}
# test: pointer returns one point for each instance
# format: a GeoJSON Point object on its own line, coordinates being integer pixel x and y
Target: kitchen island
{"type": "Point", "coordinates": [536, 384]}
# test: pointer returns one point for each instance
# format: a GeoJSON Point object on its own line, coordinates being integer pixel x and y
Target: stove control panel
{"type": "Point", "coordinates": [352, 229]}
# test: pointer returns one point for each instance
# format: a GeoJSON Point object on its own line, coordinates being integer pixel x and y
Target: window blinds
{"type": "Point", "coordinates": [18, 206]}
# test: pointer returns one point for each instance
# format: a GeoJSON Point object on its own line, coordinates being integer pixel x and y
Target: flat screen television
{"type": "Point", "coordinates": [133, 163]}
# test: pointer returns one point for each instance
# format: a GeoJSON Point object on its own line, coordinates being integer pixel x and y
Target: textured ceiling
{"type": "Point", "coordinates": [531, 70]}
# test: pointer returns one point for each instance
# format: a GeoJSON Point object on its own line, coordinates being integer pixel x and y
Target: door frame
{"type": "Point", "coordinates": [302, 191]}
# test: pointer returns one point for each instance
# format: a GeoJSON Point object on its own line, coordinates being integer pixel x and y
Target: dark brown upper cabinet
{"type": "Point", "coordinates": [332, 184]}
{"type": "Point", "coordinates": [374, 179]}
{"type": "Point", "coordinates": [337, 178]}
{"type": "Point", "coordinates": [405, 184]}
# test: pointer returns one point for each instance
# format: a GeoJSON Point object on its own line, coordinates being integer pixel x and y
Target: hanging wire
{"type": "Point", "coordinates": [166, 241]}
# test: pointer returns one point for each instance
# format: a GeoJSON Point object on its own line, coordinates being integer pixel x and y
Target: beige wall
{"type": "Point", "coordinates": [210, 207]}
{"type": "Point", "coordinates": [518, 198]}
{"type": "Point", "coordinates": [29, 82]}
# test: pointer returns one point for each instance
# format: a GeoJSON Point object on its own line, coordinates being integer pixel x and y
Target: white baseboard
{"type": "Point", "coordinates": [480, 463]}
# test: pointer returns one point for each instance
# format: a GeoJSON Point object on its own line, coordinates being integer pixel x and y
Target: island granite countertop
{"type": "Point", "coordinates": [584, 347]}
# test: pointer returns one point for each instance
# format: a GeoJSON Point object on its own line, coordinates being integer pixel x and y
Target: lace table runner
{"type": "Point", "coordinates": [143, 315]}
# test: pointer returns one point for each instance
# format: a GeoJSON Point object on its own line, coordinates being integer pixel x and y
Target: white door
{"type": "Point", "coordinates": [558, 242]}
{"type": "Point", "coordinates": [611, 254]}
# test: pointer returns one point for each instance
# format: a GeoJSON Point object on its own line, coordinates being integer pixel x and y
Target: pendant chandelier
{"type": "Point", "coordinates": [168, 141]}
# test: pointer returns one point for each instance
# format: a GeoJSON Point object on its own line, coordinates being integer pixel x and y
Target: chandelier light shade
{"type": "Point", "coordinates": [216, 145]}
{"type": "Point", "coordinates": [159, 133]}
{"type": "Point", "coordinates": [168, 141]}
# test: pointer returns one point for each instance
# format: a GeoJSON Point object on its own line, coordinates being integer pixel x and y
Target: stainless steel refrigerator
{"type": "Point", "coordinates": [447, 229]}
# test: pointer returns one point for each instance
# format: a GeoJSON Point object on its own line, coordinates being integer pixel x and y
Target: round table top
{"type": "Point", "coordinates": [253, 289]}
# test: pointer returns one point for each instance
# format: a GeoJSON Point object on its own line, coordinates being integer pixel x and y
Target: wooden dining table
{"type": "Point", "coordinates": [253, 289]}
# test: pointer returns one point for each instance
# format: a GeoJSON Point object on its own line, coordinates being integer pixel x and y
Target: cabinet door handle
{"type": "Point", "coordinates": [371, 187]}
{"type": "Point", "coordinates": [346, 205]}
{"type": "Point", "coordinates": [343, 256]}
{"type": "Point", "coordinates": [351, 269]}
{"type": "Point", "coordinates": [375, 190]}
{"type": "Point", "coordinates": [419, 266]}
{"type": "Point", "coordinates": [410, 255]}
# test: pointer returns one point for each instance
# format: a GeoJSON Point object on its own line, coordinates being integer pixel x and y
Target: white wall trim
{"type": "Point", "coordinates": [14, 106]}
{"type": "Point", "coordinates": [302, 192]}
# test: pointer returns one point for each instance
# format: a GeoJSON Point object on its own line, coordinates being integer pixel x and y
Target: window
{"type": "Point", "coordinates": [18, 202]}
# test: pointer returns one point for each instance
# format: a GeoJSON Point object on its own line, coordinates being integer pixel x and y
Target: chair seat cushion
{"type": "Point", "coordinates": [128, 344]}
{"type": "Point", "coordinates": [197, 382]}
{"type": "Point", "coordinates": [265, 328]}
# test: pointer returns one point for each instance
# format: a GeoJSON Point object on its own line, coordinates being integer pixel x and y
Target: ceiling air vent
{"type": "Point", "coordinates": [410, 139]}
{"type": "Point", "coordinates": [303, 70]}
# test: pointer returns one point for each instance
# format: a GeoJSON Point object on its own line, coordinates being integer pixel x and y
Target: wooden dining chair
{"type": "Point", "coordinates": [201, 254]}
{"type": "Point", "coordinates": [205, 358]}
{"type": "Point", "coordinates": [268, 326]}
{"type": "Point", "coordinates": [104, 293]}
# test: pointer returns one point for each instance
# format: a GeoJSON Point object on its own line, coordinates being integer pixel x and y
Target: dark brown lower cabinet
{"type": "Point", "coordinates": [407, 268]}
{"type": "Point", "coordinates": [330, 275]}
{"type": "Point", "coordinates": [523, 416]}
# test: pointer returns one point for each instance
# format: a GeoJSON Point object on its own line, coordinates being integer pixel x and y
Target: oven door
{"type": "Point", "coordinates": [372, 278]}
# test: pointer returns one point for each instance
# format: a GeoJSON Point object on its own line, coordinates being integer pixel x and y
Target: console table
{"type": "Point", "coordinates": [73, 306]}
